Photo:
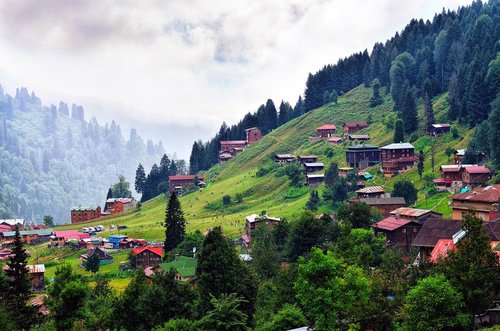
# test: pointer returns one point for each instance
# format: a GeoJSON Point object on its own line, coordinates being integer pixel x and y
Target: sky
{"type": "Point", "coordinates": [176, 69]}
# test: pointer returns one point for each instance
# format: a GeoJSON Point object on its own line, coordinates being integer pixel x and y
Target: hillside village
{"type": "Point", "coordinates": [371, 209]}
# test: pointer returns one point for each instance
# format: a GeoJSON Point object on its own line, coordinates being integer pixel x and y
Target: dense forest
{"type": "Point", "coordinates": [456, 53]}
{"type": "Point", "coordinates": [52, 159]}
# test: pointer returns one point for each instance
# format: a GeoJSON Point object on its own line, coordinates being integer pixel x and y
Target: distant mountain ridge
{"type": "Point", "coordinates": [51, 158]}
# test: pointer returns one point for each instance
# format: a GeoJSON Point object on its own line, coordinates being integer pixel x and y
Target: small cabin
{"type": "Point", "coordinates": [362, 156]}
{"type": "Point", "coordinates": [313, 167]}
{"type": "Point", "coordinates": [326, 131]}
{"type": "Point", "coordinates": [253, 221]}
{"type": "Point", "coordinates": [439, 129]}
{"type": "Point", "coordinates": [284, 158]}
{"type": "Point", "coordinates": [307, 159]}
{"type": "Point", "coordinates": [371, 192]}
{"type": "Point", "coordinates": [360, 138]}
{"type": "Point", "coordinates": [351, 127]}
{"type": "Point", "coordinates": [314, 179]}
{"type": "Point", "coordinates": [335, 141]}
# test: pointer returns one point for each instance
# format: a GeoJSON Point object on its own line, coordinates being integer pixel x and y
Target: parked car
{"type": "Point", "coordinates": [92, 229]}
{"type": "Point", "coordinates": [101, 227]}
{"type": "Point", "coordinates": [121, 227]}
{"type": "Point", "coordinates": [85, 230]}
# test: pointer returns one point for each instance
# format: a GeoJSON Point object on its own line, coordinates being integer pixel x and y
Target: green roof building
{"type": "Point", "coordinates": [185, 268]}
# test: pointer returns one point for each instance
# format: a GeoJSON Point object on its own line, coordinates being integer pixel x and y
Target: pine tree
{"type": "Point", "coordinates": [312, 204]}
{"type": "Point", "coordinates": [477, 101]}
{"type": "Point", "coordinates": [175, 224]}
{"type": "Point", "coordinates": [173, 168]}
{"type": "Point", "coordinates": [331, 175]}
{"type": "Point", "coordinates": [376, 98]}
{"type": "Point", "coordinates": [409, 110]}
{"type": "Point", "coordinates": [140, 179]}
{"type": "Point", "coordinates": [93, 263]}
{"type": "Point", "coordinates": [194, 163]}
{"type": "Point", "coordinates": [399, 131]}
{"type": "Point", "coordinates": [429, 112]}
{"type": "Point", "coordinates": [420, 165]}
{"type": "Point", "coordinates": [494, 122]}
{"type": "Point", "coordinates": [19, 287]}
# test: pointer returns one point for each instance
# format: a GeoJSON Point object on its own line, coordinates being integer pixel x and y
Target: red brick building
{"type": "Point", "coordinates": [147, 256]}
{"type": "Point", "coordinates": [397, 157]}
{"type": "Point", "coordinates": [351, 127]}
{"type": "Point", "coordinates": [233, 146]}
{"type": "Point", "coordinates": [326, 131]}
{"type": "Point", "coordinates": [117, 205]}
{"type": "Point", "coordinates": [82, 214]}
{"type": "Point", "coordinates": [253, 135]}
{"type": "Point", "coordinates": [176, 183]}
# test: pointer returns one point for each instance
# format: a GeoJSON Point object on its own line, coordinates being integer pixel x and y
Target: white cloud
{"type": "Point", "coordinates": [190, 61]}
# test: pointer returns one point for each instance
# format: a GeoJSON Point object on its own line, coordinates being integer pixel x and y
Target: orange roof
{"type": "Point", "coordinates": [440, 251]}
{"type": "Point", "coordinates": [327, 127]}
{"type": "Point", "coordinates": [156, 250]}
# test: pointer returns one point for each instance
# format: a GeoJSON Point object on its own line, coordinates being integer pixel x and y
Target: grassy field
{"type": "Point", "coordinates": [272, 192]}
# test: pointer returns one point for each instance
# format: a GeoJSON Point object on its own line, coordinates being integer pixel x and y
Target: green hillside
{"type": "Point", "coordinates": [272, 192]}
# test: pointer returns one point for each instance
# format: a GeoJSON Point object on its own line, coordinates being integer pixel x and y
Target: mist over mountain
{"type": "Point", "coordinates": [52, 158]}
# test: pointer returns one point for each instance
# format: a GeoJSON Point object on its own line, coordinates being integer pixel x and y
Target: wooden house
{"type": "Point", "coordinates": [184, 267]}
{"type": "Point", "coordinates": [399, 232]}
{"type": "Point", "coordinates": [359, 138]}
{"type": "Point", "coordinates": [28, 236]}
{"type": "Point", "coordinates": [307, 159]}
{"type": "Point", "coordinates": [13, 222]}
{"type": "Point", "coordinates": [233, 146]}
{"type": "Point", "coordinates": [474, 175]}
{"type": "Point", "coordinates": [413, 214]}
{"type": "Point", "coordinates": [104, 257]}
{"type": "Point", "coordinates": [371, 192]}
{"type": "Point", "coordinates": [5, 254]}
{"type": "Point", "coordinates": [459, 155]}
{"type": "Point", "coordinates": [39, 306]}
{"type": "Point", "coordinates": [284, 158]}
{"type": "Point", "coordinates": [397, 157]}
{"type": "Point", "coordinates": [430, 233]}
{"type": "Point", "coordinates": [484, 202]}
{"type": "Point", "coordinates": [326, 131]}
{"type": "Point", "coordinates": [85, 213]}
{"type": "Point", "coordinates": [314, 179]}
{"type": "Point", "coordinates": [362, 156]}
{"type": "Point", "coordinates": [335, 141]}
{"type": "Point", "coordinates": [383, 204]}
{"type": "Point", "coordinates": [351, 127]}
{"type": "Point", "coordinates": [253, 135]}
{"type": "Point", "coordinates": [254, 220]}
{"type": "Point", "coordinates": [177, 183]}
{"type": "Point", "coordinates": [438, 129]}
{"type": "Point", "coordinates": [313, 167]}
{"type": "Point", "coordinates": [224, 157]}
{"type": "Point", "coordinates": [37, 277]}
{"type": "Point", "coordinates": [147, 256]}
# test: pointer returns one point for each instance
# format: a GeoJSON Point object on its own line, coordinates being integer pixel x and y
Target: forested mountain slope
{"type": "Point", "coordinates": [52, 159]}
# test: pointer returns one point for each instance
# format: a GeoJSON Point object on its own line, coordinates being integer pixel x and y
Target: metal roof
{"type": "Point", "coordinates": [371, 189]}
{"type": "Point", "coordinates": [41, 232]}
{"type": "Point", "coordinates": [314, 164]}
{"type": "Point", "coordinates": [398, 146]}
{"type": "Point", "coordinates": [383, 201]}
{"type": "Point", "coordinates": [258, 218]}
{"type": "Point", "coordinates": [362, 146]}
{"type": "Point", "coordinates": [285, 156]}
{"type": "Point", "coordinates": [315, 176]}
{"type": "Point", "coordinates": [490, 194]}
{"type": "Point", "coordinates": [13, 221]}
{"type": "Point", "coordinates": [35, 268]}
{"type": "Point", "coordinates": [444, 125]}
{"type": "Point", "coordinates": [391, 223]}
{"type": "Point", "coordinates": [435, 229]}
{"type": "Point", "coordinates": [327, 127]}
{"type": "Point", "coordinates": [413, 212]}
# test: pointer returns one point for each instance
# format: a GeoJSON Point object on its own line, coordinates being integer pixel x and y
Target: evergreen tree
{"type": "Point", "coordinates": [399, 134]}
{"type": "Point", "coordinates": [473, 267]}
{"type": "Point", "coordinates": [175, 224]}
{"type": "Point", "coordinates": [265, 256]}
{"type": "Point", "coordinates": [454, 97]}
{"type": "Point", "coordinates": [420, 165]}
{"type": "Point", "coordinates": [331, 175]}
{"type": "Point", "coordinates": [409, 109]}
{"type": "Point", "coordinates": [110, 194]}
{"type": "Point", "coordinates": [429, 112]}
{"type": "Point", "coordinates": [194, 163]}
{"type": "Point", "coordinates": [19, 285]}
{"type": "Point", "coordinates": [225, 314]}
{"type": "Point", "coordinates": [93, 263]}
{"type": "Point", "coordinates": [478, 100]}
{"type": "Point", "coordinates": [494, 123]}
{"type": "Point", "coordinates": [140, 179]}
{"type": "Point", "coordinates": [173, 168]}
{"type": "Point", "coordinates": [312, 203]}
{"type": "Point", "coordinates": [164, 168]}
{"type": "Point", "coordinates": [334, 97]}
{"type": "Point", "coordinates": [376, 98]}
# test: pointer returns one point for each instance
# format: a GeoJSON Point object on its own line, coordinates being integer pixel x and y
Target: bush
{"type": "Point", "coordinates": [226, 200]}
{"type": "Point", "coordinates": [454, 132]}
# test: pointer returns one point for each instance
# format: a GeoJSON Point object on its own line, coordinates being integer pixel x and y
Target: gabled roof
{"type": "Point", "coordinates": [398, 146]}
{"type": "Point", "coordinates": [254, 128]}
{"type": "Point", "coordinates": [69, 234]}
{"type": "Point", "coordinates": [122, 200]}
{"type": "Point", "coordinates": [307, 156]}
{"type": "Point", "coordinates": [13, 221]}
{"type": "Point", "coordinates": [391, 223]}
{"type": "Point", "coordinates": [41, 232]}
{"type": "Point", "coordinates": [444, 125]}
{"type": "Point", "coordinates": [88, 207]}
{"type": "Point", "coordinates": [257, 218]}
{"type": "Point", "coordinates": [335, 139]}
{"type": "Point", "coordinates": [285, 156]}
{"type": "Point", "coordinates": [327, 127]}
{"type": "Point", "coordinates": [435, 229]}
{"type": "Point", "coordinates": [314, 164]}
{"type": "Point", "coordinates": [185, 266]}
{"type": "Point", "coordinates": [490, 194]}
{"type": "Point", "coordinates": [233, 142]}
{"type": "Point", "coordinates": [359, 136]}
{"type": "Point", "coordinates": [35, 268]}
{"type": "Point", "coordinates": [383, 201]}
{"type": "Point", "coordinates": [413, 212]}
{"type": "Point", "coordinates": [441, 250]}
{"type": "Point", "coordinates": [155, 250]}
{"type": "Point", "coordinates": [493, 230]}
{"type": "Point", "coordinates": [315, 176]}
{"type": "Point", "coordinates": [371, 189]}
{"type": "Point", "coordinates": [185, 177]}
{"type": "Point", "coordinates": [460, 152]}
{"type": "Point", "coordinates": [96, 250]}
{"type": "Point", "coordinates": [362, 146]}
{"type": "Point", "coordinates": [477, 169]}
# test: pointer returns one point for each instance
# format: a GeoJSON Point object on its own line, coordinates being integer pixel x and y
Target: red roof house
{"type": "Point", "coordinates": [326, 131]}
{"type": "Point", "coordinates": [484, 202]}
{"type": "Point", "coordinates": [147, 256]}
{"type": "Point", "coordinates": [399, 232]}
{"type": "Point", "coordinates": [176, 183]}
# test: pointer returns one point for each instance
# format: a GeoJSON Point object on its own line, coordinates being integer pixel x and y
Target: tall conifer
{"type": "Point", "coordinates": [175, 223]}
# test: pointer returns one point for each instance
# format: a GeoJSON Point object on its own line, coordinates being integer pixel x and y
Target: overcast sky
{"type": "Point", "coordinates": [186, 63]}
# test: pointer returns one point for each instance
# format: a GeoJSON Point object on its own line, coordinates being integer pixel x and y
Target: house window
{"type": "Point", "coordinates": [404, 230]}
